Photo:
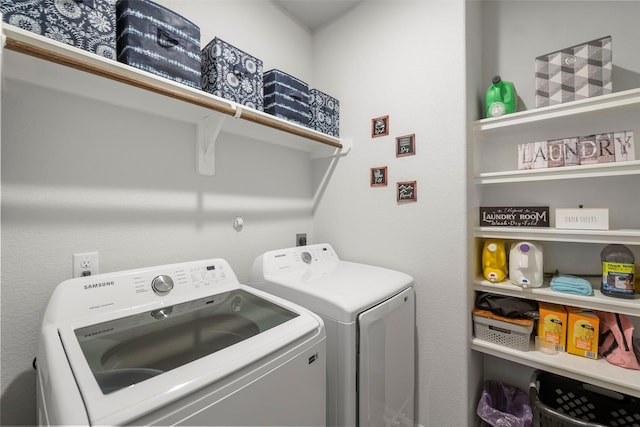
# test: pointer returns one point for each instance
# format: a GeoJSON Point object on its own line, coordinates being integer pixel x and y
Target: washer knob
{"type": "Point", "coordinates": [306, 257]}
{"type": "Point", "coordinates": [162, 285]}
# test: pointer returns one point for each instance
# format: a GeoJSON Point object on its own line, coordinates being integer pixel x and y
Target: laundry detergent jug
{"type": "Point", "coordinates": [525, 265]}
{"type": "Point", "coordinates": [494, 260]}
{"type": "Point", "coordinates": [500, 98]}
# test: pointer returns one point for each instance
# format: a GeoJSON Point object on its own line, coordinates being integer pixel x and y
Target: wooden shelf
{"type": "Point", "coordinates": [41, 61]}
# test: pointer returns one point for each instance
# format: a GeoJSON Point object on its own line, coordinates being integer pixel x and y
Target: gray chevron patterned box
{"type": "Point", "coordinates": [286, 96]}
{"type": "Point", "coordinates": [233, 74]}
{"type": "Point", "coordinates": [577, 72]}
{"type": "Point", "coordinates": [158, 40]}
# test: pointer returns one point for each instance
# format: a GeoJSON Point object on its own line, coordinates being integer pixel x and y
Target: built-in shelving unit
{"type": "Point", "coordinates": [497, 182]}
{"type": "Point", "coordinates": [45, 62]}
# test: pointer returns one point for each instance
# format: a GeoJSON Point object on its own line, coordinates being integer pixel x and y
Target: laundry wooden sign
{"type": "Point", "coordinates": [514, 216]}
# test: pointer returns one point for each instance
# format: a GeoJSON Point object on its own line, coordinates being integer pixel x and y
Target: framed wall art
{"type": "Point", "coordinates": [379, 176]}
{"type": "Point", "coordinates": [406, 145]}
{"type": "Point", "coordinates": [380, 126]}
{"type": "Point", "coordinates": [407, 191]}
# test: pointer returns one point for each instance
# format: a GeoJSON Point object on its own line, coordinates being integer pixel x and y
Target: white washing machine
{"type": "Point", "coordinates": [181, 344]}
{"type": "Point", "coordinates": [369, 316]}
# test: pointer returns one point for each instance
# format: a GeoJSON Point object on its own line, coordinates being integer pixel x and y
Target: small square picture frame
{"type": "Point", "coordinates": [378, 176]}
{"type": "Point", "coordinates": [407, 191]}
{"type": "Point", "coordinates": [380, 126]}
{"type": "Point", "coordinates": [406, 145]}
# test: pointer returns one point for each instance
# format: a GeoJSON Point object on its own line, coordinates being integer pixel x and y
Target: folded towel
{"type": "Point", "coordinates": [571, 285]}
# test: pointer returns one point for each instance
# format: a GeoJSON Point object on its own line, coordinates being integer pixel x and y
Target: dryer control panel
{"type": "Point", "coordinates": [314, 258]}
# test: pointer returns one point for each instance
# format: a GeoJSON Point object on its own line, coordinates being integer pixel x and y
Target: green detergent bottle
{"type": "Point", "coordinates": [500, 98]}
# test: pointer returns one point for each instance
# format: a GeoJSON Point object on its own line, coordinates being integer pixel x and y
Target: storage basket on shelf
{"type": "Point", "coordinates": [286, 96]}
{"type": "Point", "coordinates": [88, 25]}
{"type": "Point", "coordinates": [233, 74]}
{"type": "Point", "coordinates": [557, 401]}
{"type": "Point", "coordinates": [512, 333]}
{"type": "Point", "coordinates": [157, 40]}
{"type": "Point", "coordinates": [325, 113]}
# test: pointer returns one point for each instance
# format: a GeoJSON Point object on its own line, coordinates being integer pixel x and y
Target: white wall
{"type": "Point", "coordinates": [405, 59]}
{"type": "Point", "coordinates": [78, 175]}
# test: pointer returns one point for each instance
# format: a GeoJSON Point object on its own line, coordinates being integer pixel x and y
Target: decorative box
{"type": "Point", "coordinates": [286, 97]}
{"type": "Point", "coordinates": [325, 113]}
{"type": "Point", "coordinates": [25, 14]}
{"type": "Point", "coordinates": [582, 219]}
{"type": "Point", "coordinates": [230, 73]}
{"type": "Point", "coordinates": [86, 24]}
{"type": "Point", "coordinates": [158, 40]}
{"type": "Point", "coordinates": [577, 72]}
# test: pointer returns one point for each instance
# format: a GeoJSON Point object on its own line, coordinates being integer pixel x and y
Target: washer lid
{"type": "Point", "coordinates": [324, 284]}
{"type": "Point", "coordinates": [129, 366]}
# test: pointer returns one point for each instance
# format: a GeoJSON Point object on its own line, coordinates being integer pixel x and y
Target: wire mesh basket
{"type": "Point", "coordinates": [557, 401]}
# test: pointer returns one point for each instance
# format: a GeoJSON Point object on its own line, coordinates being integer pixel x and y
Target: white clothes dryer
{"type": "Point", "coordinates": [181, 344]}
{"type": "Point", "coordinates": [369, 316]}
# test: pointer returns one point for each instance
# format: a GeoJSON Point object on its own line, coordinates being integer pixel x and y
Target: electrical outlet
{"type": "Point", "coordinates": [85, 264]}
{"type": "Point", "coordinates": [301, 239]}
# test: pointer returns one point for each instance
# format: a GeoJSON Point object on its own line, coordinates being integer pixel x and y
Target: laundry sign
{"type": "Point", "coordinates": [514, 216]}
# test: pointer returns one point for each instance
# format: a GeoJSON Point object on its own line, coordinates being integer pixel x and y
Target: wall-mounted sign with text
{"type": "Point", "coordinates": [516, 216]}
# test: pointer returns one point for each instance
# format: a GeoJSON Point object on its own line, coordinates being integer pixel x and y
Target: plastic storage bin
{"type": "Point", "coordinates": [512, 333]}
{"type": "Point", "coordinates": [557, 401]}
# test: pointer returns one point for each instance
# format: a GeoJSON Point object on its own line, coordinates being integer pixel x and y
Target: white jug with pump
{"type": "Point", "coordinates": [525, 265]}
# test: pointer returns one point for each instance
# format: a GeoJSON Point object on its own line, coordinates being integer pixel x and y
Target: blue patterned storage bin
{"type": "Point", "coordinates": [25, 14]}
{"type": "Point", "coordinates": [232, 74]}
{"type": "Point", "coordinates": [158, 40]}
{"type": "Point", "coordinates": [86, 24]}
{"type": "Point", "coordinates": [325, 113]}
{"type": "Point", "coordinates": [286, 97]}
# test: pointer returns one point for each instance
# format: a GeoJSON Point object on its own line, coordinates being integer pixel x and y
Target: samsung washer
{"type": "Point", "coordinates": [181, 344]}
{"type": "Point", "coordinates": [369, 316]}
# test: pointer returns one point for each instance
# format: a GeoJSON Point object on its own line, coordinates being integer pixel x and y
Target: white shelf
{"type": "Point", "coordinates": [41, 61]}
{"type": "Point", "coordinates": [597, 372]}
{"type": "Point", "coordinates": [628, 237]}
{"type": "Point", "coordinates": [630, 307]}
{"type": "Point", "coordinates": [494, 142]}
{"type": "Point", "coordinates": [583, 109]}
{"type": "Point", "coordinates": [566, 172]}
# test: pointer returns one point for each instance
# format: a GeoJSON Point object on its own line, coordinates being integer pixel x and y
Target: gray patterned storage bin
{"type": "Point", "coordinates": [158, 40]}
{"type": "Point", "coordinates": [232, 74]}
{"type": "Point", "coordinates": [325, 113]}
{"type": "Point", "coordinates": [577, 72]}
{"type": "Point", "coordinates": [286, 97]}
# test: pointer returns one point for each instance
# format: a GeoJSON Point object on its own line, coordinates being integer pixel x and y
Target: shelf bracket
{"type": "Point", "coordinates": [208, 131]}
{"type": "Point", "coordinates": [322, 153]}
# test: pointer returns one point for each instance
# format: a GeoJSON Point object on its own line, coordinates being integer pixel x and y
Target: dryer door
{"type": "Point", "coordinates": [386, 362]}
